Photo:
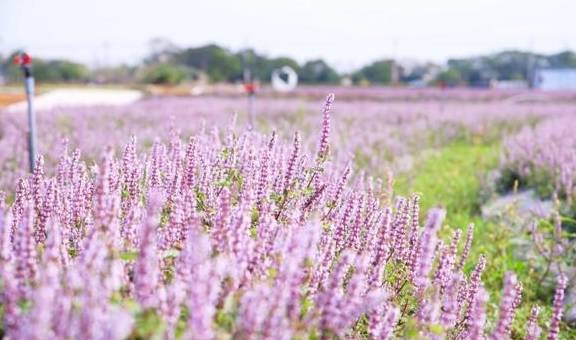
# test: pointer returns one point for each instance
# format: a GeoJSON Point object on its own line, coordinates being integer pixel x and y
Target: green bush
{"type": "Point", "coordinates": [165, 74]}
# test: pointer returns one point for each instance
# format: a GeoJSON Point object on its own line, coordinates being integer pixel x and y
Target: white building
{"type": "Point", "coordinates": [555, 79]}
{"type": "Point", "coordinates": [509, 84]}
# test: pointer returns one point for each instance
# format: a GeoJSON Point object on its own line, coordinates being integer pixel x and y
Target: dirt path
{"type": "Point", "coordinates": [80, 97]}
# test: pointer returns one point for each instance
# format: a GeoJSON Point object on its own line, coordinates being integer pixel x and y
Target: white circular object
{"type": "Point", "coordinates": [284, 79]}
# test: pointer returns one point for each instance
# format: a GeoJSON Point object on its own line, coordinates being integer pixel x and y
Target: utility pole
{"type": "Point", "coordinates": [249, 86]}
{"type": "Point", "coordinates": [25, 62]}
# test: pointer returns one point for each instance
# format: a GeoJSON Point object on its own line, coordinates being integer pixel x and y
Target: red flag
{"type": "Point", "coordinates": [26, 59]}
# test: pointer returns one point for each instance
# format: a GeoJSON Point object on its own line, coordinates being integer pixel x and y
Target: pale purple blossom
{"type": "Point", "coordinates": [533, 331]}
{"type": "Point", "coordinates": [508, 305]}
{"type": "Point", "coordinates": [558, 306]}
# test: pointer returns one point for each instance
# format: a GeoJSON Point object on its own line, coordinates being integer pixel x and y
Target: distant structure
{"type": "Point", "coordinates": [394, 72]}
{"type": "Point", "coordinates": [284, 79]}
{"type": "Point", "coordinates": [555, 79]}
{"type": "Point", "coordinates": [509, 84]}
{"type": "Point", "coordinates": [2, 77]}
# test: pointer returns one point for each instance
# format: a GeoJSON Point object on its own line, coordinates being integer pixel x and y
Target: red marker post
{"type": "Point", "coordinates": [250, 89]}
{"type": "Point", "coordinates": [25, 62]}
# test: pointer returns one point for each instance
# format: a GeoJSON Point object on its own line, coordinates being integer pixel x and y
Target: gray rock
{"type": "Point", "coordinates": [517, 210]}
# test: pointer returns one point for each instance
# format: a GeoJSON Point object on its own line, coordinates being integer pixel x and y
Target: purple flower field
{"type": "Point", "coordinates": [168, 218]}
{"type": "Point", "coordinates": [546, 155]}
{"type": "Point", "coordinates": [372, 132]}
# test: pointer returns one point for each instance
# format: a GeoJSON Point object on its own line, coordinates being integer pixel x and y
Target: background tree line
{"type": "Point", "coordinates": [507, 65]}
{"type": "Point", "coordinates": [48, 71]}
{"type": "Point", "coordinates": [168, 64]}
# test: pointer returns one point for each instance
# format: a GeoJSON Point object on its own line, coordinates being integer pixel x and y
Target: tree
{"type": "Point", "coordinates": [165, 74]}
{"type": "Point", "coordinates": [379, 72]}
{"type": "Point", "coordinates": [449, 77]}
{"type": "Point", "coordinates": [217, 62]}
{"type": "Point", "coordinates": [474, 72]}
{"type": "Point", "coordinates": [68, 71]}
{"type": "Point", "coordinates": [563, 59]}
{"type": "Point", "coordinates": [318, 71]}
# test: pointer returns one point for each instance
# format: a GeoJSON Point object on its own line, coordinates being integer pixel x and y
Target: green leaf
{"type": "Point", "coordinates": [129, 255]}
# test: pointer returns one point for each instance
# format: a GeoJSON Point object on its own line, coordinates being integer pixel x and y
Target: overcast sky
{"type": "Point", "coordinates": [346, 33]}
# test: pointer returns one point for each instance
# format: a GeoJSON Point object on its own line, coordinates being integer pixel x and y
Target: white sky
{"type": "Point", "coordinates": [346, 33]}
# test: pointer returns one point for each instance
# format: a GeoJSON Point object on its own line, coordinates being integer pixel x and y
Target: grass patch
{"type": "Point", "coordinates": [450, 178]}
